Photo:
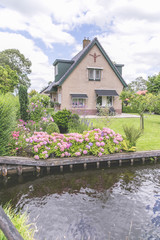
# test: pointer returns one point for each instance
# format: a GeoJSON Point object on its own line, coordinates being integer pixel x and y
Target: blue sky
{"type": "Point", "coordinates": [45, 30]}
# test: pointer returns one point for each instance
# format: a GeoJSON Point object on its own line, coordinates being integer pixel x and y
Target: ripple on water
{"type": "Point", "coordinates": [96, 205]}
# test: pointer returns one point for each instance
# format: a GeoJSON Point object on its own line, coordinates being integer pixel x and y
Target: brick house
{"type": "Point", "coordinates": [88, 79]}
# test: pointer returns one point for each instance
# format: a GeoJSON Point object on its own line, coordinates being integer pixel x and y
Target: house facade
{"type": "Point", "coordinates": [88, 80]}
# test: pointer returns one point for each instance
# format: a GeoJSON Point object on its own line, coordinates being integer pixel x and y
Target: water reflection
{"type": "Point", "coordinates": [98, 204]}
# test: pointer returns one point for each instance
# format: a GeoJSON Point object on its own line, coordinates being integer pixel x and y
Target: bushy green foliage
{"type": "Point", "coordinates": [23, 100]}
{"type": "Point", "coordinates": [153, 84]}
{"type": "Point", "coordinates": [129, 109]}
{"type": "Point", "coordinates": [52, 128]}
{"type": "Point", "coordinates": [32, 93]}
{"type": "Point", "coordinates": [7, 121]}
{"type": "Point", "coordinates": [40, 98]}
{"type": "Point", "coordinates": [36, 111]}
{"type": "Point", "coordinates": [62, 119]}
{"type": "Point", "coordinates": [80, 126]}
{"type": "Point", "coordinates": [18, 63]}
{"type": "Point", "coordinates": [8, 79]}
{"type": "Point", "coordinates": [132, 134]}
{"type": "Point", "coordinates": [19, 220]}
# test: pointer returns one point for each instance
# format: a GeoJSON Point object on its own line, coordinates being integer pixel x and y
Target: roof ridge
{"type": "Point", "coordinates": [79, 56]}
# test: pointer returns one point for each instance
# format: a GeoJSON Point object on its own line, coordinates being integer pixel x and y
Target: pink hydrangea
{"type": "Point", "coordinates": [98, 144]}
{"type": "Point", "coordinates": [36, 157]}
{"type": "Point", "coordinates": [85, 152]}
{"type": "Point", "coordinates": [44, 152]}
{"type": "Point", "coordinates": [102, 144]}
{"type": "Point", "coordinates": [99, 154]}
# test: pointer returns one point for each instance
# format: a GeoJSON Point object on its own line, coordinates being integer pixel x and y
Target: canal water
{"type": "Point", "coordinates": [116, 203]}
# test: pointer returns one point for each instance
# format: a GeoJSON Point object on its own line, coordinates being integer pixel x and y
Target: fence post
{"type": "Point", "coordinates": [8, 228]}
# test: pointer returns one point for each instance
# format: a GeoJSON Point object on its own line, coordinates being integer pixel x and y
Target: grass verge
{"type": "Point", "coordinates": [20, 221]}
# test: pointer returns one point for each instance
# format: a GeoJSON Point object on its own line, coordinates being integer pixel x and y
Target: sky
{"type": "Point", "coordinates": [45, 30]}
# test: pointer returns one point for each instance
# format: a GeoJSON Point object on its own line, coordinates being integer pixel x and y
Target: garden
{"type": "Point", "coordinates": [30, 128]}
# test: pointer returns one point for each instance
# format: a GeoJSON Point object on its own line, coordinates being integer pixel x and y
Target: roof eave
{"type": "Point", "coordinates": [95, 41]}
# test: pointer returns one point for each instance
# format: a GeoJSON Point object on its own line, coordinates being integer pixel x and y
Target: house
{"type": "Point", "coordinates": [142, 92]}
{"type": "Point", "coordinates": [88, 79]}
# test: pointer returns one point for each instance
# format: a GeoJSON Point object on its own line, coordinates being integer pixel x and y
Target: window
{"type": "Point", "coordinates": [94, 74]}
{"type": "Point", "coordinates": [78, 102]}
{"type": "Point", "coordinates": [105, 101]}
{"type": "Point", "coordinates": [109, 101]}
{"type": "Point", "coordinates": [56, 69]}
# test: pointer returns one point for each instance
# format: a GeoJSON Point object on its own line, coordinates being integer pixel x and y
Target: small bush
{"type": "Point", "coordinates": [62, 119]}
{"type": "Point", "coordinates": [52, 128]}
{"type": "Point", "coordinates": [36, 111]}
{"type": "Point", "coordinates": [132, 134]}
{"type": "Point", "coordinates": [79, 125]}
{"type": "Point", "coordinates": [7, 121]}
{"type": "Point", "coordinates": [129, 109]}
{"type": "Point", "coordinates": [41, 98]}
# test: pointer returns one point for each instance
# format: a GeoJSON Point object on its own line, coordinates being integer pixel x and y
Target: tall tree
{"type": "Point", "coordinates": [23, 100]}
{"type": "Point", "coordinates": [153, 84]}
{"type": "Point", "coordinates": [8, 79]}
{"type": "Point", "coordinates": [138, 84]}
{"type": "Point", "coordinates": [17, 62]}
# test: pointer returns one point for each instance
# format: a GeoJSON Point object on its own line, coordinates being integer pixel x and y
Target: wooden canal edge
{"type": "Point", "coordinates": [14, 164]}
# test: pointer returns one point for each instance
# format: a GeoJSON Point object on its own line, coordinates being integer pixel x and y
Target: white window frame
{"type": "Point", "coordinates": [59, 98]}
{"type": "Point", "coordinates": [94, 74]}
{"type": "Point", "coordinates": [105, 101]}
{"type": "Point", "coordinates": [75, 102]}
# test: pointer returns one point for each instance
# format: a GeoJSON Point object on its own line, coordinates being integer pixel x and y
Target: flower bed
{"type": "Point", "coordinates": [95, 142]}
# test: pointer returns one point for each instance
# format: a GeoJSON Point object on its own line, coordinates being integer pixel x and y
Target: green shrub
{"type": "Point", "coordinates": [51, 103]}
{"type": "Point", "coordinates": [17, 107]}
{"type": "Point", "coordinates": [50, 111]}
{"type": "Point", "coordinates": [20, 222]}
{"type": "Point", "coordinates": [129, 109]}
{"type": "Point", "coordinates": [132, 134]}
{"type": "Point", "coordinates": [7, 121]}
{"type": "Point", "coordinates": [41, 98]}
{"type": "Point", "coordinates": [80, 125]}
{"type": "Point", "coordinates": [52, 128]}
{"type": "Point", "coordinates": [62, 118]}
{"type": "Point", "coordinates": [23, 100]}
{"type": "Point", "coordinates": [36, 111]}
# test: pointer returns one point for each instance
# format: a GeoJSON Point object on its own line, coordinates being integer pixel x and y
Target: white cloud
{"type": "Point", "coordinates": [129, 29]}
{"type": "Point", "coordinates": [42, 71]}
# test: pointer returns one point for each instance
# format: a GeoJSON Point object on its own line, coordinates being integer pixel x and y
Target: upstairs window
{"type": "Point", "coordinates": [56, 70]}
{"type": "Point", "coordinates": [94, 74]}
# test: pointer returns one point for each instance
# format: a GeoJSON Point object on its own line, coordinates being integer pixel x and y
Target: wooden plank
{"type": "Point", "coordinates": [7, 227]}
{"type": "Point", "coordinates": [77, 160]}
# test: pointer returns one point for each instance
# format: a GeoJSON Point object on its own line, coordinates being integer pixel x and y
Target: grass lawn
{"type": "Point", "coordinates": [150, 140]}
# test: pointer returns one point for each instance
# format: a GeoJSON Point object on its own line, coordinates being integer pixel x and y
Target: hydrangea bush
{"type": "Point", "coordinates": [95, 142]}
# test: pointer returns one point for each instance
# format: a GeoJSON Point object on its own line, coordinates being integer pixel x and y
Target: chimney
{"type": "Point", "coordinates": [85, 42]}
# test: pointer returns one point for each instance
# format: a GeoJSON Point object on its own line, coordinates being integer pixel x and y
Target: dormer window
{"type": "Point", "coordinates": [56, 69]}
{"type": "Point", "coordinates": [94, 74]}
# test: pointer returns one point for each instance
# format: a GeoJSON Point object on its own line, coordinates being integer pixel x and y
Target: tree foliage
{"type": "Point", "coordinates": [138, 84]}
{"type": "Point", "coordinates": [8, 79]}
{"type": "Point", "coordinates": [23, 100]}
{"type": "Point", "coordinates": [17, 62]}
{"type": "Point", "coordinates": [153, 84]}
{"type": "Point", "coordinates": [141, 103]}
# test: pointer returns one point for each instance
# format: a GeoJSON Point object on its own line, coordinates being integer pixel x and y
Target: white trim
{"type": "Point", "coordinates": [97, 68]}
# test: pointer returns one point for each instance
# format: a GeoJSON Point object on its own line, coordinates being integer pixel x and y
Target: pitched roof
{"type": "Point", "coordinates": [79, 57]}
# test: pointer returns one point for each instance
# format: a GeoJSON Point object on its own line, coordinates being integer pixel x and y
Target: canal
{"type": "Point", "coordinates": [115, 203]}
